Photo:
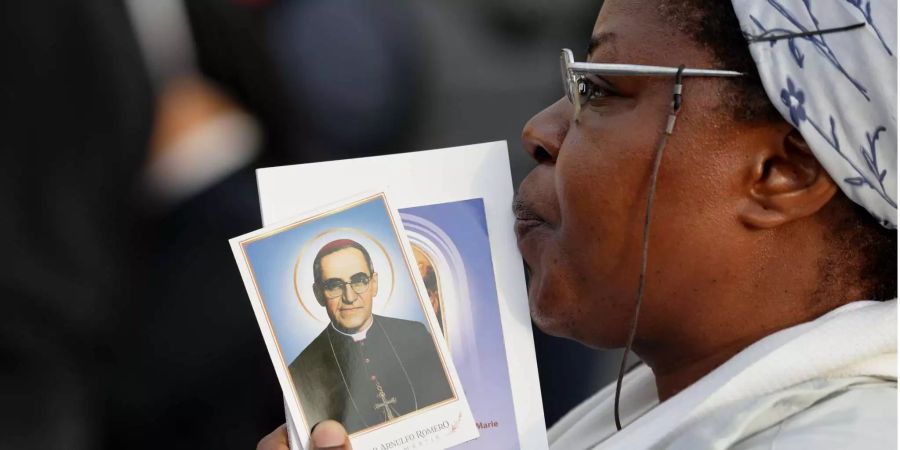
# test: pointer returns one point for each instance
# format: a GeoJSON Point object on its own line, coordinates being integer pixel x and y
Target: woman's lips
{"type": "Point", "coordinates": [526, 219]}
{"type": "Point", "coordinates": [525, 225]}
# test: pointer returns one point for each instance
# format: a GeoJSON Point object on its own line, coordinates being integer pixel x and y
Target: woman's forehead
{"type": "Point", "coordinates": [636, 32]}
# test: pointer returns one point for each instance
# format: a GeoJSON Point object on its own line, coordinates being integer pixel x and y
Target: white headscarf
{"type": "Point", "coordinates": [838, 88]}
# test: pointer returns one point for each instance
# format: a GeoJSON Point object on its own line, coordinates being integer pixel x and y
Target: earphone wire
{"type": "Point", "coordinates": [657, 162]}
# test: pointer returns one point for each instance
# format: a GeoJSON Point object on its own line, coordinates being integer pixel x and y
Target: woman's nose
{"type": "Point", "coordinates": [543, 135]}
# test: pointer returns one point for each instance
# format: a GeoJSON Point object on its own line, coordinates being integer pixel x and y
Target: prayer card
{"type": "Point", "coordinates": [455, 208]}
{"type": "Point", "coordinates": [351, 329]}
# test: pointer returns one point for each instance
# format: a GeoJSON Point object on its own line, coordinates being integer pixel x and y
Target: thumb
{"type": "Point", "coordinates": [329, 435]}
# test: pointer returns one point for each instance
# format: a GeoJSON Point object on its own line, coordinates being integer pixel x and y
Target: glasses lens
{"type": "Point", "coordinates": [564, 71]}
{"type": "Point", "coordinates": [359, 283]}
{"type": "Point", "coordinates": [570, 81]}
{"type": "Point", "coordinates": [334, 288]}
{"type": "Point", "coordinates": [565, 59]}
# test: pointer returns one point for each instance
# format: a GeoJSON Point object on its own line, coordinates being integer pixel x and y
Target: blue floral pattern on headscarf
{"type": "Point", "coordinates": [793, 98]}
{"type": "Point", "coordinates": [838, 89]}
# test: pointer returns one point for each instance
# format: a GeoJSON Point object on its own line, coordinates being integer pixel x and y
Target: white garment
{"type": "Point", "coordinates": [828, 383]}
{"type": "Point", "coordinates": [361, 334]}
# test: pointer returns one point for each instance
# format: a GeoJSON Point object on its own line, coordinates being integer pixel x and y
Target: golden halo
{"type": "Point", "coordinates": [303, 276]}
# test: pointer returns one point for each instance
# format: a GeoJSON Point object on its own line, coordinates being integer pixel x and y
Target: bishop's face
{"type": "Point", "coordinates": [347, 289]}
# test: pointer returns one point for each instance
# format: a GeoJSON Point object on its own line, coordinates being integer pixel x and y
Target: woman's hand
{"type": "Point", "coordinates": [326, 435]}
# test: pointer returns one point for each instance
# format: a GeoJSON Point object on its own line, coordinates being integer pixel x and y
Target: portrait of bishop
{"type": "Point", "coordinates": [363, 369]}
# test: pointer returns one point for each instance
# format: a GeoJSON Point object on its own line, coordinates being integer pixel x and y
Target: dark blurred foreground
{"type": "Point", "coordinates": [130, 131]}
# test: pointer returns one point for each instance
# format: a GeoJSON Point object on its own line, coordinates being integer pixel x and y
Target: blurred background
{"type": "Point", "coordinates": [129, 132]}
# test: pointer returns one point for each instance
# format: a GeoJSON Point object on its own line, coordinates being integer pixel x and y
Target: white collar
{"type": "Point", "coordinates": [359, 335]}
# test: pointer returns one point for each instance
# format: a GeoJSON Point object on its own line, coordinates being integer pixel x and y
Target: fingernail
{"type": "Point", "coordinates": [328, 437]}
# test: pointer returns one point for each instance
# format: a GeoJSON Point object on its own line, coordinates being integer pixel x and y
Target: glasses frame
{"type": "Point", "coordinates": [573, 73]}
{"type": "Point", "coordinates": [343, 287]}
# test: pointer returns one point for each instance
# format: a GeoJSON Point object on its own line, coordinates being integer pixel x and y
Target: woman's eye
{"type": "Point", "coordinates": [589, 90]}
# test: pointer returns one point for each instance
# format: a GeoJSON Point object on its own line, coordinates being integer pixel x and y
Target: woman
{"type": "Point", "coordinates": [764, 231]}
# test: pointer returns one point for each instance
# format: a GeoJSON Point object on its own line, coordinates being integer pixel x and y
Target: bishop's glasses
{"type": "Point", "coordinates": [335, 287]}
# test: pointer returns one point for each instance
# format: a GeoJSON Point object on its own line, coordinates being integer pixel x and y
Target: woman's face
{"type": "Point", "coordinates": [581, 210]}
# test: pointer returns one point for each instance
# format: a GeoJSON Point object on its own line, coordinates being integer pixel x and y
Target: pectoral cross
{"type": "Point", "coordinates": [389, 412]}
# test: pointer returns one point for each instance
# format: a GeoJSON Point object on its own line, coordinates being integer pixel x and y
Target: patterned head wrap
{"type": "Point", "coordinates": [830, 68]}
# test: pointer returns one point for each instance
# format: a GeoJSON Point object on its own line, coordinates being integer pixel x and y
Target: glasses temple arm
{"type": "Point", "coordinates": [631, 69]}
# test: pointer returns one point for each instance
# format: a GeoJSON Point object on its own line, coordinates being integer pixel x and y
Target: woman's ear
{"type": "Point", "coordinates": [786, 183]}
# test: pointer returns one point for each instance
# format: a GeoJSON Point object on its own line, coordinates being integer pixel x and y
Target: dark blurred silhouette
{"type": "Point", "coordinates": [129, 136]}
{"type": "Point", "coordinates": [76, 115]}
{"type": "Point", "coordinates": [205, 380]}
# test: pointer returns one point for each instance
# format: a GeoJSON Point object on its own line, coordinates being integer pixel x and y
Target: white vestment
{"type": "Point", "coordinates": [830, 383]}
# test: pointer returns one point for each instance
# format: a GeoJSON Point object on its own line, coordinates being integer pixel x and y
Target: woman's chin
{"type": "Point", "coordinates": [564, 321]}
{"type": "Point", "coordinates": [549, 315]}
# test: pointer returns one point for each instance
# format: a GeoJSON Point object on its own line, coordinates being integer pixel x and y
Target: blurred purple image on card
{"type": "Point", "coordinates": [453, 254]}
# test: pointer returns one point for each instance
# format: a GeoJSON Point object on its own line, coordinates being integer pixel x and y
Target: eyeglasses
{"type": "Point", "coordinates": [580, 90]}
{"type": "Point", "coordinates": [335, 287]}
